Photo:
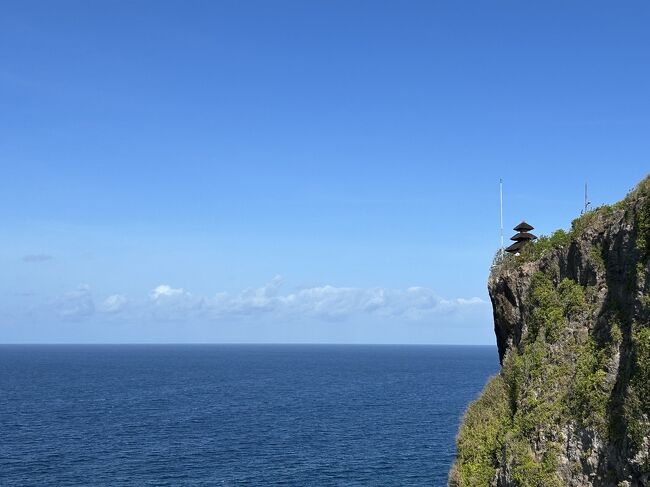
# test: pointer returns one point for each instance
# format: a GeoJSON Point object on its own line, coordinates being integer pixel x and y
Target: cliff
{"type": "Point", "coordinates": [571, 404]}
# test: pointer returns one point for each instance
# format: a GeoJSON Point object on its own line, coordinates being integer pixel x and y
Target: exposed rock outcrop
{"type": "Point", "coordinates": [571, 405]}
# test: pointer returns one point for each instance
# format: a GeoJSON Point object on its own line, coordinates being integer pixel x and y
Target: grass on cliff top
{"type": "Point", "coordinates": [598, 216]}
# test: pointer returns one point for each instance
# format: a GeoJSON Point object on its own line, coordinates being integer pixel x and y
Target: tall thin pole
{"type": "Point", "coordinates": [586, 200]}
{"type": "Point", "coordinates": [501, 209]}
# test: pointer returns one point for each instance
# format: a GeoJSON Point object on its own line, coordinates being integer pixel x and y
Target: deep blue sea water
{"type": "Point", "coordinates": [227, 415]}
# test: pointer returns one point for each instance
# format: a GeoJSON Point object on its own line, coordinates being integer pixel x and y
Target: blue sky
{"type": "Point", "coordinates": [298, 171]}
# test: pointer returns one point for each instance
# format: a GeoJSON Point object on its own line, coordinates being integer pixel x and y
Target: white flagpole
{"type": "Point", "coordinates": [501, 209]}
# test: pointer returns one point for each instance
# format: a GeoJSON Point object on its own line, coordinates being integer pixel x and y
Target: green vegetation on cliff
{"type": "Point", "coordinates": [528, 395]}
{"type": "Point", "coordinates": [559, 239]}
{"type": "Point", "coordinates": [637, 404]}
{"type": "Point", "coordinates": [482, 437]}
{"type": "Point", "coordinates": [575, 380]}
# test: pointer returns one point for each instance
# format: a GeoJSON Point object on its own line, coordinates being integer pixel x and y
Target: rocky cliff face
{"type": "Point", "coordinates": [571, 405]}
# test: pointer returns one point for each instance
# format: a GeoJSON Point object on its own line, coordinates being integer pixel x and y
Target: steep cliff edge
{"type": "Point", "coordinates": [571, 404]}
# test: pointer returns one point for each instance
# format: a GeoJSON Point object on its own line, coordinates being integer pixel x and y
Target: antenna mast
{"type": "Point", "coordinates": [587, 202]}
{"type": "Point", "coordinates": [501, 209]}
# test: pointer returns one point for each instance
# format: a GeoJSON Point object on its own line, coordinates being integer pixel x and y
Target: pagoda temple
{"type": "Point", "coordinates": [522, 236]}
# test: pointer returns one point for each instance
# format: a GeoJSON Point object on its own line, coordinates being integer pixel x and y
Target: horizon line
{"type": "Point", "coordinates": [247, 343]}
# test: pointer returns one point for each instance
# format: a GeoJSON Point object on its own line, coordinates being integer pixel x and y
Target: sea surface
{"type": "Point", "coordinates": [229, 415]}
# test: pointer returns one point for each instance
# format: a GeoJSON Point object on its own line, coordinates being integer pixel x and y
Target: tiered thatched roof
{"type": "Point", "coordinates": [522, 236]}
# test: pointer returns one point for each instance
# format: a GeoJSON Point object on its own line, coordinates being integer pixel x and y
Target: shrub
{"type": "Point", "coordinates": [580, 224]}
{"type": "Point", "coordinates": [526, 471]}
{"type": "Point", "coordinates": [480, 439]}
{"type": "Point", "coordinates": [643, 228]}
{"type": "Point", "coordinates": [641, 365]}
{"type": "Point", "coordinates": [559, 239]}
{"type": "Point", "coordinates": [531, 251]}
{"type": "Point", "coordinates": [590, 392]}
{"type": "Point", "coordinates": [547, 312]}
{"type": "Point", "coordinates": [572, 297]}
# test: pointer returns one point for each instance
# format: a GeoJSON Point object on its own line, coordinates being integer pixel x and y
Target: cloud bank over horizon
{"type": "Point", "coordinates": [325, 303]}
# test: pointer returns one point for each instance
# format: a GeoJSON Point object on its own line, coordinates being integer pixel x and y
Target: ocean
{"type": "Point", "coordinates": [230, 415]}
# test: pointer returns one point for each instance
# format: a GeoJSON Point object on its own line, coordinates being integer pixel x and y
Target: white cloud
{"type": "Point", "coordinates": [330, 302]}
{"type": "Point", "coordinates": [168, 303]}
{"type": "Point", "coordinates": [470, 301]}
{"type": "Point", "coordinates": [325, 302]}
{"type": "Point", "coordinates": [113, 304]}
{"type": "Point", "coordinates": [77, 304]}
{"type": "Point", "coordinates": [247, 302]}
{"type": "Point", "coordinates": [165, 291]}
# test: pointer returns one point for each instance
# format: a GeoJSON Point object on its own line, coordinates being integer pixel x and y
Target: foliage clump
{"type": "Point", "coordinates": [637, 404]}
{"type": "Point", "coordinates": [642, 222]}
{"type": "Point", "coordinates": [551, 306]}
{"type": "Point", "coordinates": [525, 401]}
{"type": "Point", "coordinates": [643, 228]}
{"type": "Point", "coordinates": [582, 362]}
{"type": "Point", "coordinates": [553, 378]}
{"type": "Point", "coordinates": [528, 472]}
{"type": "Point", "coordinates": [481, 438]}
{"type": "Point", "coordinates": [589, 396]}
{"type": "Point", "coordinates": [583, 222]}
{"type": "Point", "coordinates": [641, 368]}
{"type": "Point", "coordinates": [535, 249]}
